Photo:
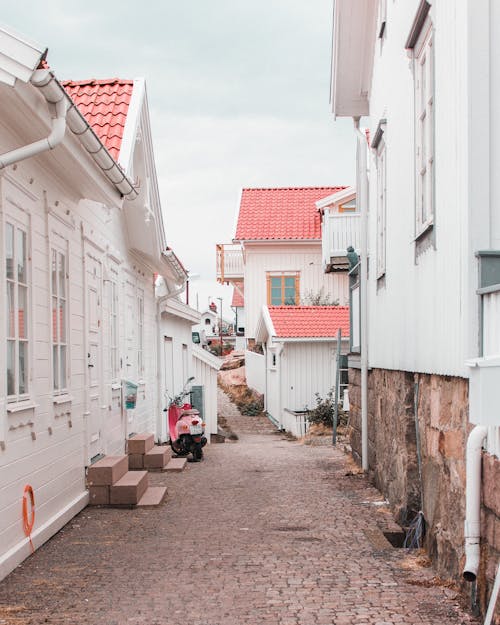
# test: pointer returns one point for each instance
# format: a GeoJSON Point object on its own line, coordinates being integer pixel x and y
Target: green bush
{"type": "Point", "coordinates": [324, 411]}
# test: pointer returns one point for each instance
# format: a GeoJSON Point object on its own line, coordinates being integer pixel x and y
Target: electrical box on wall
{"type": "Point", "coordinates": [484, 390]}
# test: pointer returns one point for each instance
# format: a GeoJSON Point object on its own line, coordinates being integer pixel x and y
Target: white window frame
{"type": "Point", "coordinates": [423, 64]}
{"type": "Point", "coordinates": [59, 325]}
{"type": "Point", "coordinates": [381, 160]}
{"type": "Point", "coordinates": [12, 328]}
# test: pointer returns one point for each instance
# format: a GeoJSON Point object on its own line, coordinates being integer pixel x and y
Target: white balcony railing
{"type": "Point", "coordinates": [339, 232]}
{"type": "Point", "coordinates": [229, 262]}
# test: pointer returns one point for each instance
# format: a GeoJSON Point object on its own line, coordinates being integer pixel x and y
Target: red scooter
{"type": "Point", "coordinates": [185, 426]}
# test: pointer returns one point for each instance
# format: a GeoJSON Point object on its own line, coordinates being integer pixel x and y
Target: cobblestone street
{"type": "Point", "coordinates": [264, 531]}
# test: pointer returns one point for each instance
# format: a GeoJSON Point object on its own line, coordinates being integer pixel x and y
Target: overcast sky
{"type": "Point", "coordinates": [238, 95]}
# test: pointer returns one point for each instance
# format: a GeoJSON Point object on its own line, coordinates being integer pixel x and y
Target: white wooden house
{"type": "Point", "coordinates": [300, 354]}
{"type": "Point", "coordinates": [426, 74]}
{"type": "Point", "coordinates": [278, 259]}
{"type": "Point", "coordinates": [81, 239]}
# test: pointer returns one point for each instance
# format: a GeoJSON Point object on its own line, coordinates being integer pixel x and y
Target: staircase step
{"type": "Point", "coordinates": [107, 471]}
{"type": "Point", "coordinates": [153, 496]}
{"type": "Point", "coordinates": [135, 462]}
{"type": "Point", "coordinates": [98, 495]}
{"type": "Point", "coordinates": [176, 465]}
{"type": "Point", "coordinates": [157, 457]}
{"type": "Point", "coordinates": [129, 489]}
{"type": "Point", "coordinates": [140, 443]}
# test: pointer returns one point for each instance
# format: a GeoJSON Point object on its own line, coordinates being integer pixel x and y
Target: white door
{"type": "Point", "coordinates": [95, 434]}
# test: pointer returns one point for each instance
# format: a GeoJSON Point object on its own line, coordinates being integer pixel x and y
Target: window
{"type": "Point", "coordinates": [59, 289]}
{"type": "Point", "coordinates": [283, 289]}
{"type": "Point", "coordinates": [381, 207]}
{"type": "Point", "coordinates": [16, 266]}
{"type": "Point", "coordinates": [140, 332]}
{"type": "Point", "coordinates": [421, 42]}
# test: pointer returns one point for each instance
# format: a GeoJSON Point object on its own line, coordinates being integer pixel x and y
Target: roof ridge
{"type": "Point", "coordinates": [332, 186]}
{"type": "Point", "coordinates": [328, 306]}
{"type": "Point", "coordinates": [99, 81]}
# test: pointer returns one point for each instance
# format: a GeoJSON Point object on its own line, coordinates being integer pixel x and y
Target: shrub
{"type": "Point", "coordinates": [324, 411]}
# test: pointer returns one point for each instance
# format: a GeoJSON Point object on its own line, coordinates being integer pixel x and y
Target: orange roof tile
{"type": "Point", "coordinates": [309, 321]}
{"type": "Point", "coordinates": [238, 298]}
{"type": "Point", "coordinates": [104, 104]}
{"type": "Point", "coordinates": [277, 214]}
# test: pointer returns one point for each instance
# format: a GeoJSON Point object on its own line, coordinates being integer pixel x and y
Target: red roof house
{"type": "Point", "coordinates": [309, 321]}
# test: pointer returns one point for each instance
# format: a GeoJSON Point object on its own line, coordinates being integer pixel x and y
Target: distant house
{"type": "Point", "coordinates": [427, 368]}
{"type": "Point", "coordinates": [82, 242]}
{"type": "Point", "coordinates": [283, 256]}
{"type": "Point", "coordinates": [300, 359]}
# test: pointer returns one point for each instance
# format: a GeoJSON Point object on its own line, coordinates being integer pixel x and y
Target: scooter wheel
{"type": "Point", "coordinates": [197, 452]}
{"type": "Point", "coordinates": [178, 449]}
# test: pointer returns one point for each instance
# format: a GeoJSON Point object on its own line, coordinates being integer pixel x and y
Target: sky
{"type": "Point", "coordinates": [238, 94]}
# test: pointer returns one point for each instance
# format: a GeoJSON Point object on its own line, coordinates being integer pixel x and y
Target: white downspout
{"type": "Point", "coordinates": [362, 199]}
{"type": "Point", "coordinates": [48, 143]}
{"type": "Point", "coordinates": [472, 530]}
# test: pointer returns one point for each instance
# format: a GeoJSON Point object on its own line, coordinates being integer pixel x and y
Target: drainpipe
{"type": "Point", "coordinates": [472, 530]}
{"type": "Point", "coordinates": [362, 189]}
{"type": "Point", "coordinates": [48, 143]}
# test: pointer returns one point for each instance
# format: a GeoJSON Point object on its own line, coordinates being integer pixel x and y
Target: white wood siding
{"type": "Point", "coordinates": [419, 317]}
{"type": "Point", "coordinates": [206, 376]}
{"type": "Point", "coordinates": [306, 259]}
{"type": "Point", "coordinates": [255, 370]}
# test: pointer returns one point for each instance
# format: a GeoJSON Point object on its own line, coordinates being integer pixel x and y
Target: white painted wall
{"type": "Point", "coordinates": [255, 371]}
{"type": "Point", "coordinates": [206, 367]}
{"type": "Point", "coordinates": [418, 318]}
{"type": "Point", "coordinates": [273, 256]}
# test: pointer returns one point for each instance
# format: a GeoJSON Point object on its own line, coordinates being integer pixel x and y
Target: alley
{"type": "Point", "coordinates": [265, 531]}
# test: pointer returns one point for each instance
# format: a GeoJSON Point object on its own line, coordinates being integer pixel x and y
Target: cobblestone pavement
{"type": "Point", "coordinates": [264, 531]}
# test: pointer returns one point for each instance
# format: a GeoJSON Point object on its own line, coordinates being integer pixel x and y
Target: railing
{"type": "Point", "coordinates": [229, 262]}
{"type": "Point", "coordinates": [339, 232]}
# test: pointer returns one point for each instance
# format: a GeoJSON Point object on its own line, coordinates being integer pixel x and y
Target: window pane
{"type": "Point", "coordinates": [61, 270]}
{"type": "Point", "coordinates": [21, 256]}
{"type": "Point", "coordinates": [276, 297]}
{"type": "Point", "coordinates": [62, 321]}
{"type": "Point", "coordinates": [11, 330]}
{"type": "Point", "coordinates": [290, 281]}
{"type": "Point", "coordinates": [54, 272]}
{"type": "Point", "coordinates": [9, 250]}
{"type": "Point", "coordinates": [276, 283]}
{"type": "Point", "coordinates": [55, 367]}
{"type": "Point", "coordinates": [10, 368]}
{"type": "Point", "coordinates": [22, 304]}
{"type": "Point", "coordinates": [54, 320]}
{"type": "Point", "coordinates": [23, 367]}
{"type": "Point", "coordinates": [62, 366]}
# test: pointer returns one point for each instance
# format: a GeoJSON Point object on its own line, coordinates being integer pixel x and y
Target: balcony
{"type": "Point", "coordinates": [229, 262]}
{"type": "Point", "coordinates": [339, 232]}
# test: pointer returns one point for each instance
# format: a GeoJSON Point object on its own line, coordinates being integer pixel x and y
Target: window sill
{"type": "Point", "coordinates": [62, 399]}
{"type": "Point", "coordinates": [141, 382]}
{"type": "Point", "coordinates": [21, 405]}
{"type": "Point", "coordinates": [116, 386]}
{"type": "Point", "coordinates": [425, 229]}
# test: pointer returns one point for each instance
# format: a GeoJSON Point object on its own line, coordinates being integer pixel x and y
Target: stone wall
{"type": "Point", "coordinates": [443, 426]}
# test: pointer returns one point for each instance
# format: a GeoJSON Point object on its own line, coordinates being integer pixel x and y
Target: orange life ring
{"type": "Point", "coordinates": [28, 517]}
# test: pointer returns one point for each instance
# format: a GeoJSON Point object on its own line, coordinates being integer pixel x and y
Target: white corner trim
{"type": "Point", "coordinates": [132, 123]}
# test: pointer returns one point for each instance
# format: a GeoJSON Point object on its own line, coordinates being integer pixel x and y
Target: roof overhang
{"type": "Point", "coordinates": [177, 308]}
{"type": "Point", "coordinates": [354, 32]}
{"type": "Point", "coordinates": [207, 358]}
{"type": "Point", "coordinates": [20, 56]}
{"type": "Point", "coordinates": [336, 199]}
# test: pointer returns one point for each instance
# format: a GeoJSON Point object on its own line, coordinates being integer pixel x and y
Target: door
{"type": "Point", "coordinates": [93, 286]}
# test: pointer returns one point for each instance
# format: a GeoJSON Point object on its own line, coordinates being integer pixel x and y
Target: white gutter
{"type": "Point", "coordinates": [362, 199]}
{"type": "Point", "coordinates": [472, 529]}
{"type": "Point", "coordinates": [55, 94]}
{"type": "Point", "coordinates": [43, 145]}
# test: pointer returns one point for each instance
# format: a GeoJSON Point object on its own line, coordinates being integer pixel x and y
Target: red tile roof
{"type": "Point", "coordinates": [238, 298]}
{"type": "Point", "coordinates": [274, 214]}
{"type": "Point", "coordinates": [309, 321]}
{"type": "Point", "coordinates": [104, 104]}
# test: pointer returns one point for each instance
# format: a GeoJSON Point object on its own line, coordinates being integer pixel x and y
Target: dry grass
{"type": "Point", "coordinates": [248, 401]}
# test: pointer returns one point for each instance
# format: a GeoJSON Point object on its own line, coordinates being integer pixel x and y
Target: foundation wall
{"type": "Point", "coordinates": [441, 403]}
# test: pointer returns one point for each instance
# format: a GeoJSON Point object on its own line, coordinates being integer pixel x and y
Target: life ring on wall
{"type": "Point", "coordinates": [28, 514]}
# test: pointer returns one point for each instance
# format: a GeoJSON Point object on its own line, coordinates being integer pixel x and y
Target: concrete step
{"type": "Point", "coordinates": [98, 495]}
{"type": "Point", "coordinates": [154, 496]}
{"type": "Point", "coordinates": [129, 489]}
{"type": "Point", "coordinates": [176, 465]}
{"type": "Point", "coordinates": [135, 462]}
{"type": "Point", "coordinates": [140, 443]}
{"type": "Point", "coordinates": [107, 471]}
{"type": "Point", "coordinates": [157, 458]}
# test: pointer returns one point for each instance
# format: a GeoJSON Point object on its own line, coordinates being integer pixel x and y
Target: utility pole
{"type": "Point", "coordinates": [220, 324]}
